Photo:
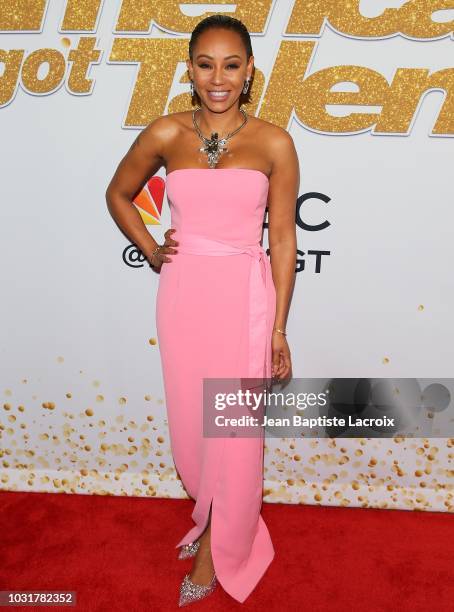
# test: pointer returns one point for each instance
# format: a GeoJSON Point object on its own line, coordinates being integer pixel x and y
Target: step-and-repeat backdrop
{"type": "Point", "coordinates": [366, 89]}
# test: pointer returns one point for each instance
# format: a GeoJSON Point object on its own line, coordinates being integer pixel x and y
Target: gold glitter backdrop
{"type": "Point", "coordinates": [288, 88]}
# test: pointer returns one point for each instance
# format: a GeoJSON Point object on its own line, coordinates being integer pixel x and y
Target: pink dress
{"type": "Point", "coordinates": [215, 312]}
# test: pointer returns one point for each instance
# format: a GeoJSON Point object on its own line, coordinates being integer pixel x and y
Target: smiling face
{"type": "Point", "coordinates": [219, 68]}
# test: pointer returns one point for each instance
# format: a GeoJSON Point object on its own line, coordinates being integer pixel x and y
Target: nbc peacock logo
{"type": "Point", "coordinates": [149, 201]}
{"type": "Point", "coordinates": [149, 204]}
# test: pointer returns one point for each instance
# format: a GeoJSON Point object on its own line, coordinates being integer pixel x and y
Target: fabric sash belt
{"type": "Point", "coordinates": [260, 282]}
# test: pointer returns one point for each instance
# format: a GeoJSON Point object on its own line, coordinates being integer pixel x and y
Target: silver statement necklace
{"type": "Point", "coordinates": [214, 146]}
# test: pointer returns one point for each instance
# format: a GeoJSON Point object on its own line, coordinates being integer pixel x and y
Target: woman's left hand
{"type": "Point", "coordinates": [282, 361]}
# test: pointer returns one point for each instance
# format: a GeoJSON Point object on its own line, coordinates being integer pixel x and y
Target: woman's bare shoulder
{"type": "Point", "coordinates": [162, 131]}
{"type": "Point", "coordinates": [272, 131]}
{"type": "Point", "coordinates": [165, 125]}
{"type": "Point", "coordinates": [276, 140]}
{"type": "Point", "coordinates": [174, 121]}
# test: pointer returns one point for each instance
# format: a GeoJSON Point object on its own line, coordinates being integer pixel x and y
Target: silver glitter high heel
{"type": "Point", "coordinates": [189, 550]}
{"type": "Point", "coordinates": [190, 592]}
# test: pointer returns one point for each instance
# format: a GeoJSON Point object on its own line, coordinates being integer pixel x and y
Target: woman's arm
{"type": "Point", "coordinates": [145, 156]}
{"type": "Point", "coordinates": [283, 193]}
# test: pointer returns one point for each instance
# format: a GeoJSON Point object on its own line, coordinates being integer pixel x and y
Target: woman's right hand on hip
{"type": "Point", "coordinates": [160, 256]}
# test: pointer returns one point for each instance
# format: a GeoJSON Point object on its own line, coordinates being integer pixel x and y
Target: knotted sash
{"type": "Point", "coordinates": [260, 295]}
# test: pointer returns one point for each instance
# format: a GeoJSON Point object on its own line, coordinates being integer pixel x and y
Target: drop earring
{"type": "Point", "coordinates": [246, 86]}
{"type": "Point", "coordinates": [192, 88]}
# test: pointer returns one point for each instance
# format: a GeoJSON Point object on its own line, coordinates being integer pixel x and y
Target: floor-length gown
{"type": "Point", "coordinates": [215, 312]}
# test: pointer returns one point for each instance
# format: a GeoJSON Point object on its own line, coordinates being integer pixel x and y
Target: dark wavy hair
{"type": "Point", "coordinates": [224, 22]}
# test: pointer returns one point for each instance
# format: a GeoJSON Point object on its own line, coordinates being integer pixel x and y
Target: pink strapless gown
{"type": "Point", "coordinates": [215, 312]}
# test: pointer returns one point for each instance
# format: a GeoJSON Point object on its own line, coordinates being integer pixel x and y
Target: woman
{"type": "Point", "coordinates": [217, 316]}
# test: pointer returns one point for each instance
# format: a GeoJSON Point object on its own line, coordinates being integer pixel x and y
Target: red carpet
{"type": "Point", "coordinates": [118, 553]}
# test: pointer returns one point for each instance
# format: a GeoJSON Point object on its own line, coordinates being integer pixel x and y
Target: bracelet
{"type": "Point", "coordinates": [281, 331]}
{"type": "Point", "coordinates": [155, 251]}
